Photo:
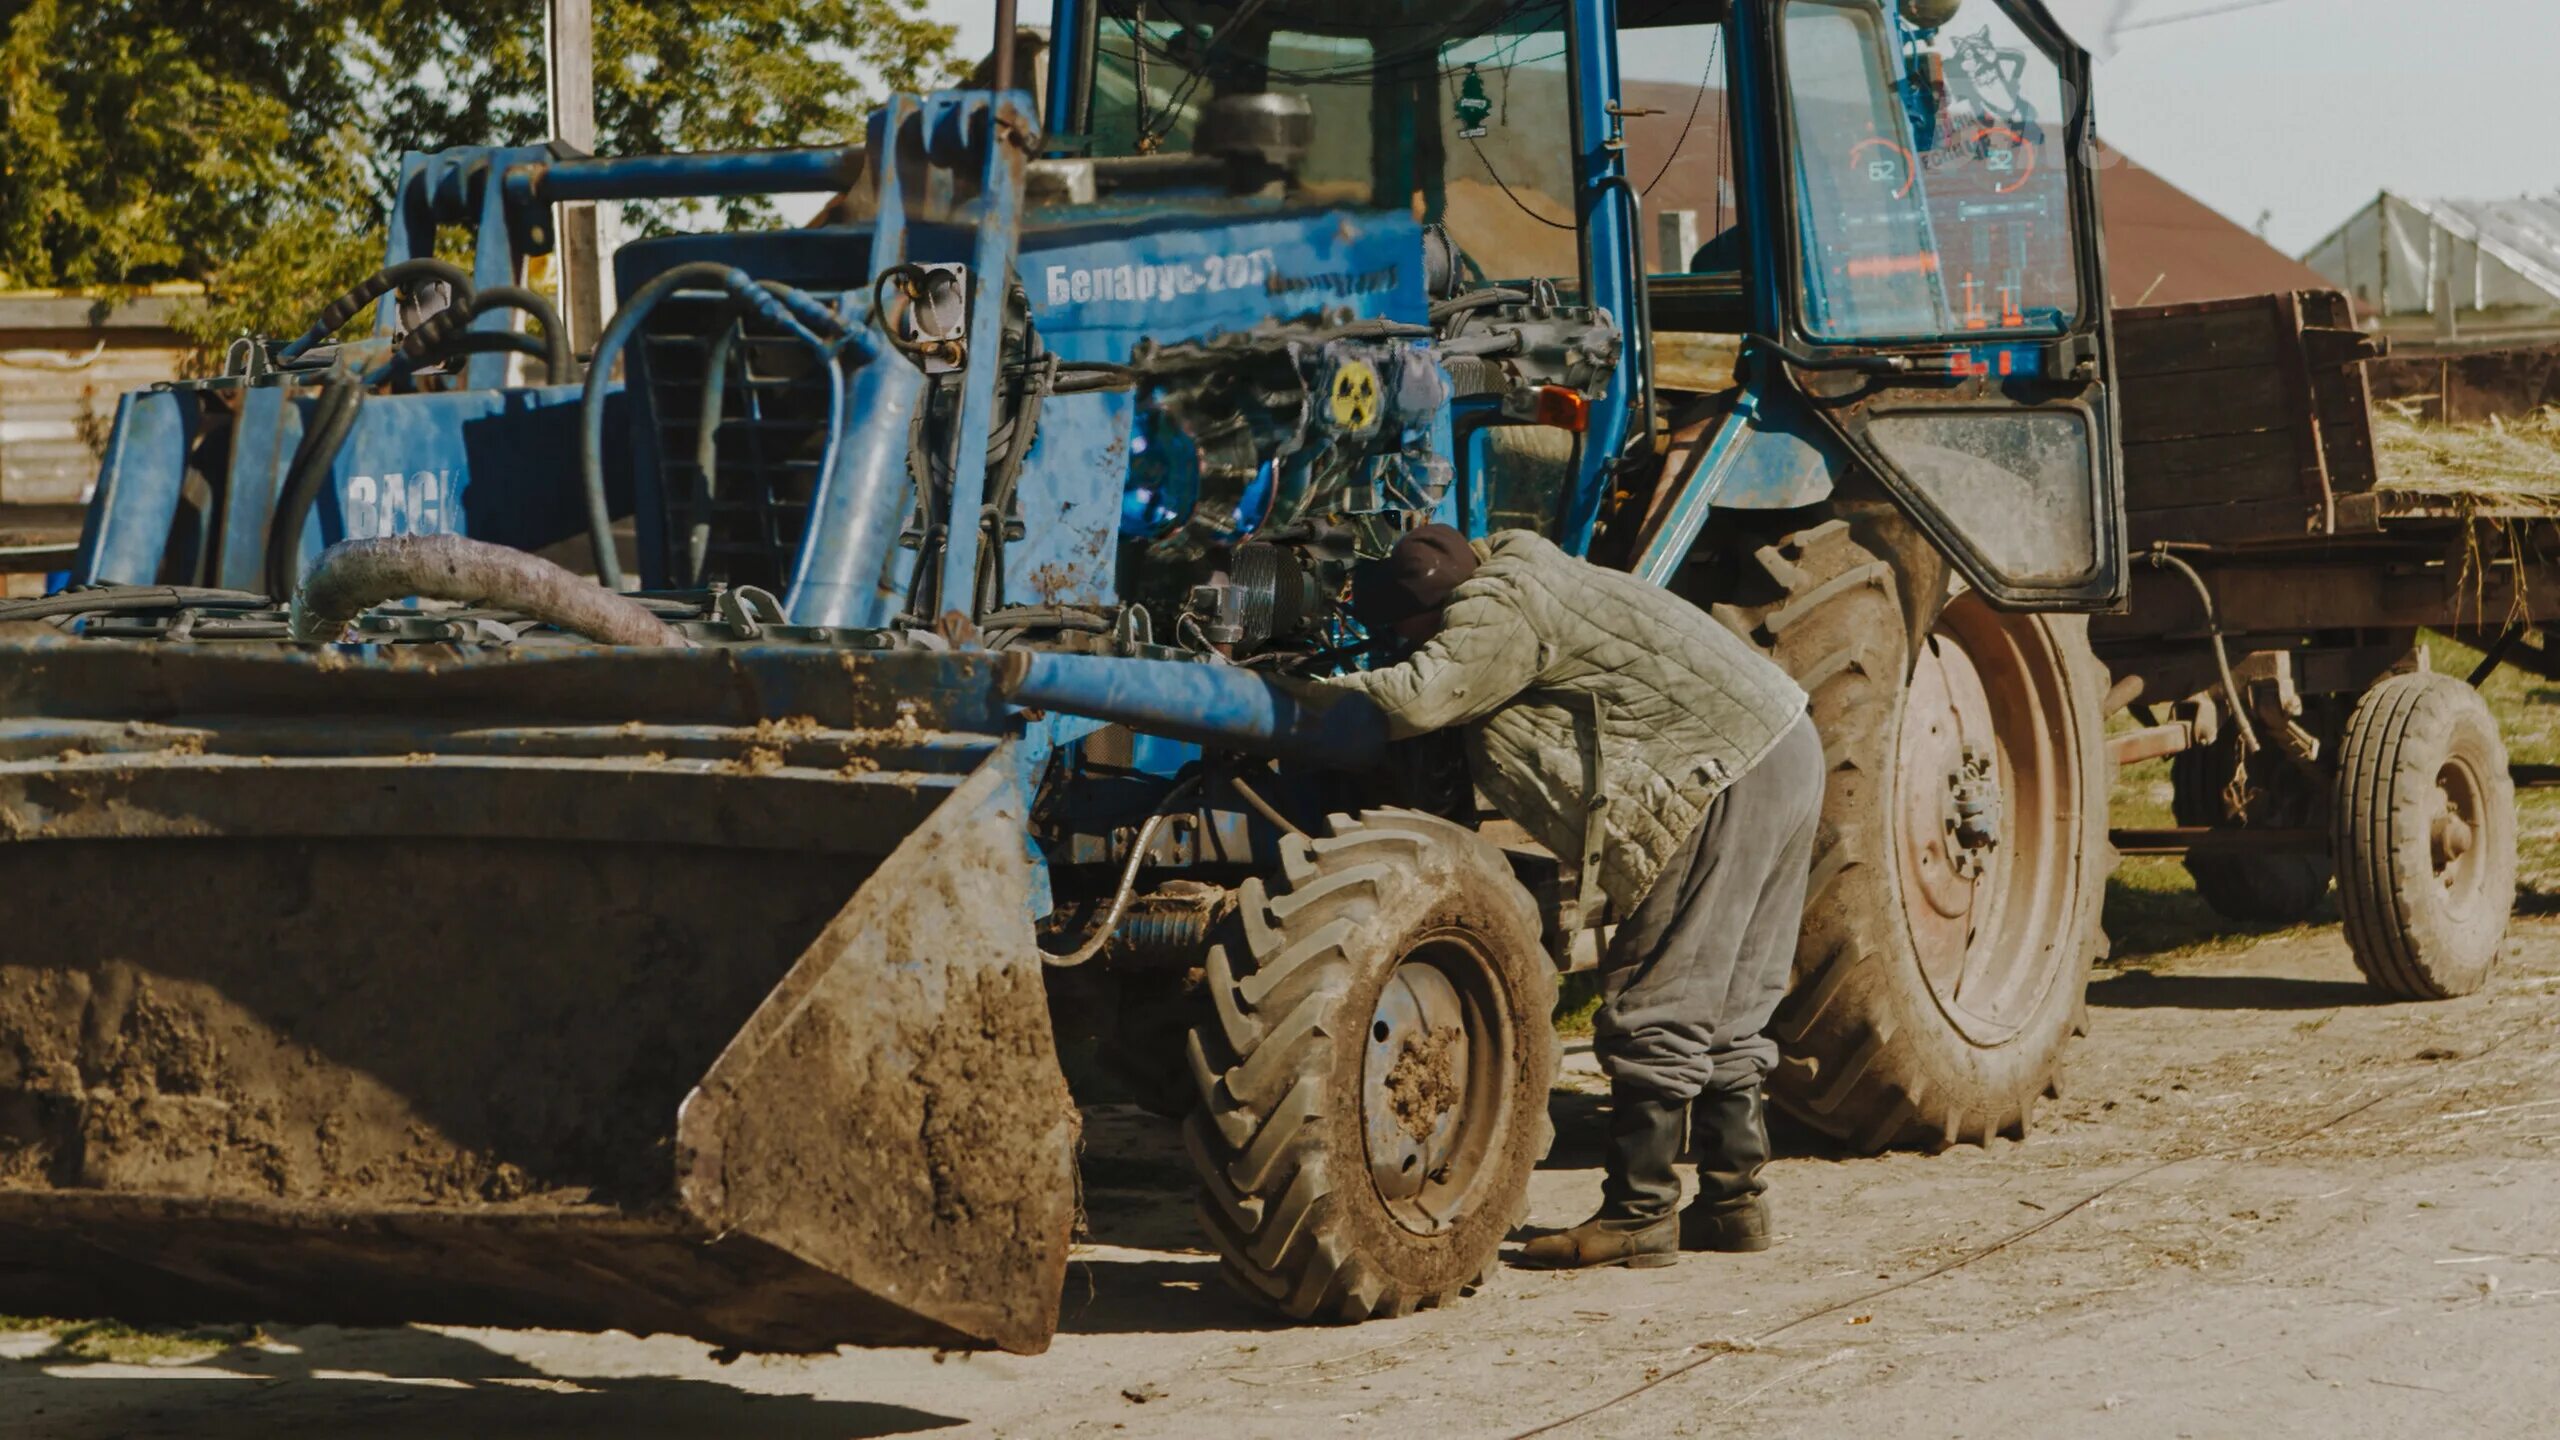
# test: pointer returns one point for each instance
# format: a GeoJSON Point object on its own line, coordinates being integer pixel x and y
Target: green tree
{"type": "Point", "coordinates": [135, 150]}
{"type": "Point", "coordinates": [251, 147]}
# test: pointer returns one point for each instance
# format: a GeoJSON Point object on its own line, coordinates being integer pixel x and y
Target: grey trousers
{"type": "Point", "coordinates": [1694, 974]}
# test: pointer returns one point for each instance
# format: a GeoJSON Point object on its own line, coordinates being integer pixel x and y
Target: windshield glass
{"type": "Point", "coordinates": [1460, 112]}
{"type": "Point", "coordinates": [1932, 175]}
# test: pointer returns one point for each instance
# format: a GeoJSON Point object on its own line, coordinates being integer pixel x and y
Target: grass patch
{"type": "Point", "coordinates": [2528, 711]}
{"type": "Point", "coordinates": [1577, 1000]}
{"type": "Point", "coordinates": [2154, 914]}
{"type": "Point", "coordinates": [2153, 911]}
{"type": "Point", "coordinates": [112, 1342]}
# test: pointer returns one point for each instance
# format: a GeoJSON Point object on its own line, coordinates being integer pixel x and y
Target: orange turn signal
{"type": "Point", "coordinates": [1559, 408]}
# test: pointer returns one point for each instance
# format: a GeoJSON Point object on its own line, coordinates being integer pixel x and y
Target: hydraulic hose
{"type": "Point", "coordinates": [373, 287]}
{"type": "Point", "coordinates": [353, 576]}
{"type": "Point", "coordinates": [1026, 422]}
{"type": "Point", "coordinates": [333, 418]}
{"type": "Point", "coordinates": [706, 443]}
{"type": "Point", "coordinates": [497, 342]}
{"type": "Point", "coordinates": [447, 326]}
{"type": "Point", "coordinates": [791, 311]}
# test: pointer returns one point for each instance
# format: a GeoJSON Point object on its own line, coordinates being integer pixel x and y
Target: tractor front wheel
{"type": "Point", "coordinates": [1374, 1081]}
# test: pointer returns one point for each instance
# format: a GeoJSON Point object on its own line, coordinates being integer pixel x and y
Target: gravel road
{"type": "Point", "coordinates": [2360, 1235]}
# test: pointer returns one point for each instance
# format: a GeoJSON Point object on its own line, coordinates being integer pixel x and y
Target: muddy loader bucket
{"type": "Point", "coordinates": [594, 989]}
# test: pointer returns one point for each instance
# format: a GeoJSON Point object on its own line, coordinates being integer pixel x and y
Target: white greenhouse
{"type": "Point", "coordinates": [2400, 256]}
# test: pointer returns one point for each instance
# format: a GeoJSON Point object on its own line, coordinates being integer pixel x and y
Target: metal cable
{"type": "Point", "coordinates": [1698, 102]}
{"type": "Point", "coordinates": [1110, 922]}
{"type": "Point", "coordinates": [2161, 559]}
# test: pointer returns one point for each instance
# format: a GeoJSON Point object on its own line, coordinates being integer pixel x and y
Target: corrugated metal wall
{"type": "Point", "coordinates": [58, 400]}
{"type": "Point", "coordinates": [65, 360]}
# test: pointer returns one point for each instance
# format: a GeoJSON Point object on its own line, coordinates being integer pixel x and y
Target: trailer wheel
{"type": "Point", "coordinates": [2269, 889]}
{"type": "Point", "coordinates": [2425, 835]}
{"type": "Point", "coordinates": [1374, 1081]}
{"type": "Point", "coordinates": [1962, 864]}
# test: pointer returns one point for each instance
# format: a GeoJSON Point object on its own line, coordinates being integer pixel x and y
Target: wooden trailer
{"type": "Point", "coordinates": [2271, 643]}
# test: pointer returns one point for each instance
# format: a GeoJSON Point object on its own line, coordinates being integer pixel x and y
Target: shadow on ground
{"type": "Point", "coordinates": [2164, 916]}
{"type": "Point", "coordinates": [1143, 1266]}
{"type": "Point", "coordinates": [2537, 900]}
{"type": "Point", "coordinates": [2141, 989]}
{"type": "Point", "coordinates": [1167, 1295]}
{"type": "Point", "coordinates": [399, 1384]}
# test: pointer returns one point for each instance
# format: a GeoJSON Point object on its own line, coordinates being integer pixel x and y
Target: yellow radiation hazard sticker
{"type": "Point", "coordinates": [1355, 395]}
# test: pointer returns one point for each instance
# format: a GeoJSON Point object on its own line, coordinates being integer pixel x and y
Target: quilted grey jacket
{"type": "Point", "coordinates": [1536, 646]}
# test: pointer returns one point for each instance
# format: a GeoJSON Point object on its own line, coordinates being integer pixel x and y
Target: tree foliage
{"type": "Point", "coordinates": [250, 147]}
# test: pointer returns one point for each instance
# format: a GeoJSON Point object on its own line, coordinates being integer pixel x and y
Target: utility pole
{"type": "Point", "coordinates": [570, 55]}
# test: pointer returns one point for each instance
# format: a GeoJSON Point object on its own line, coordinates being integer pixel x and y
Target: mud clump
{"type": "Point", "coordinates": [1424, 1084]}
{"type": "Point", "coordinates": [758, 760]}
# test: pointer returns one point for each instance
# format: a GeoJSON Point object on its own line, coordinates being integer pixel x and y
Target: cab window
{"type": "Point", "coordinates": [1932, 176]}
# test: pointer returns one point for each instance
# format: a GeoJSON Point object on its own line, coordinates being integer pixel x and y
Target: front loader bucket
{"type": "Point", "coordinates": [709, 1005]}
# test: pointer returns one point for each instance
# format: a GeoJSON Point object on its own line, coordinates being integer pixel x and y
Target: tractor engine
{"type": "Point", "coordinates": [1262, 463]}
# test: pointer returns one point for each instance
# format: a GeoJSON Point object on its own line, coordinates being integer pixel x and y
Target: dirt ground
{"type": "Point", "coordinates": [2362, 1237]}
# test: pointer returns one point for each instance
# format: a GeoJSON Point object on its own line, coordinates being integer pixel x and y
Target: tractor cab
{"type": "Point", "coordinates": [1830, 236]}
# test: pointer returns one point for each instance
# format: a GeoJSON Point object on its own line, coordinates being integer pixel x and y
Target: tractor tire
{"type": "Point", "coordinates": [1943, 966]}
{"type": "Point", "coordinates": [2424, 831]}
{"type": "Point", "coordinates": [2261, 889]}
{"type": "Point", "coordinates": [1373, 1084]}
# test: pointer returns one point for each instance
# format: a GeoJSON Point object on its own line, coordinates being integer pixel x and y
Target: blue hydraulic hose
{"type": "Point", "coordinates": [791, 311]}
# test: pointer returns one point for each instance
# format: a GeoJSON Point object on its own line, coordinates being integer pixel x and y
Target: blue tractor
{"type": "Point", "coordinates": [432, 932]}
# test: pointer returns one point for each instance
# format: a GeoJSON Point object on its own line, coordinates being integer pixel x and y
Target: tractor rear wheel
{"type": "Point", "coordinates": [2425, 834]}
{"type": "Point", "coordinates": [1374, 1081]}
{"type": "Point", "coordinates": [1962, 864]}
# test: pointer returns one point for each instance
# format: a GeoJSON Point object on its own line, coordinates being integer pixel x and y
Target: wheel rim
{"type": "Point", "coordinates": [1434, 1075]}
{"type": "Point", "coordinates": [1987, 792]}
{"type": "Point", "coordinates": [2455, 844]}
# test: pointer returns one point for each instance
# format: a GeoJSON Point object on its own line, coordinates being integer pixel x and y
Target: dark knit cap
{"type": "Point", "coordinates": [1414, 578]}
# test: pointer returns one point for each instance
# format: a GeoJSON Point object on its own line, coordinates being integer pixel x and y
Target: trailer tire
{"type": "Point", "coordinates": [1919, 1016]}
{"type": "Point", "coordinates": [2424, 831]}
{"type": "Point", "coordinates": [2260, 889]}
{"type": "Point", "coordinates": [1374, 1081]}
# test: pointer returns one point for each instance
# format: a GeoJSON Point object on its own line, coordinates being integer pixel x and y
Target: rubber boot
{"type": "Point", "coordinates": [1731, 1130]}
{"type": "Point", "coordinates": [1639, 1223]}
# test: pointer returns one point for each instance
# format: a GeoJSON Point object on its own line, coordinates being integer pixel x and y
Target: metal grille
{"type": "Point", "coordinates": [768, 444]}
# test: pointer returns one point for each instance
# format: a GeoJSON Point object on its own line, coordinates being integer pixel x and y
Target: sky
{"type": "Point", "coordinates": [2297, 111]}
